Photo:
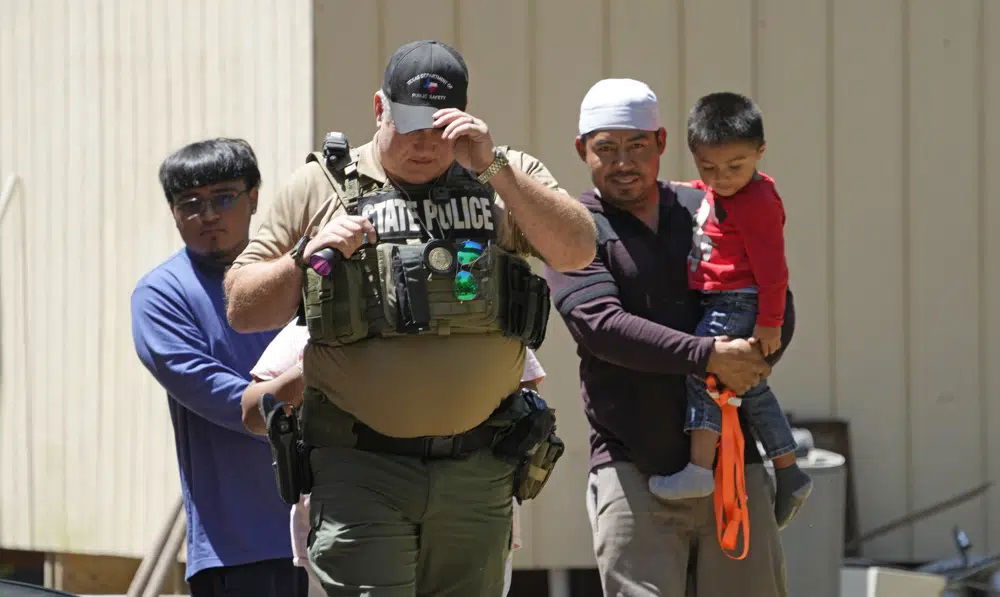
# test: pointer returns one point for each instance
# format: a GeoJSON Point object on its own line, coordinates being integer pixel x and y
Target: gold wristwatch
{"type": "Point", "coordinates": [499, 163]}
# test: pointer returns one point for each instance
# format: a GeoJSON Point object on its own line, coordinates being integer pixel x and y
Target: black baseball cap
{"type": "Point", "coordinates": [421, 78]}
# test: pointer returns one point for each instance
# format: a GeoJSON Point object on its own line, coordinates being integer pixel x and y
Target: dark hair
{"type": "Point", "coordinates": [724, 117]}
{"type": "Point", "coordinates": [208, 162]}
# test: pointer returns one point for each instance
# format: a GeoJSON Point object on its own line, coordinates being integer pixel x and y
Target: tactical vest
{"type": "Point", "coordinates": [389, 289]}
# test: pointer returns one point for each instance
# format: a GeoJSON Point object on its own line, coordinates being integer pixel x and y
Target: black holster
{"type": "Point", "coordinates": [530, 443]}
{"type": "Point", "coordinates": [290, 455]}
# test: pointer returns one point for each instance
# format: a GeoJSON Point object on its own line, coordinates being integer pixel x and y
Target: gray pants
{"type": "Point", "coordinates": [647, 548]}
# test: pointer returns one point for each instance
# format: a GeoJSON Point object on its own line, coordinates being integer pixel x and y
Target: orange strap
{"type": "Point", "coordinates": [731, 513]}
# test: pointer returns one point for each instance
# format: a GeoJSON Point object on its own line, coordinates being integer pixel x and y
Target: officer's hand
{"type": "Point", "coordinates": [469, 136]}
{"type": "Point", "coordinates": [738, 363]}
{"type": "Point", "coordinates": [344, 233]}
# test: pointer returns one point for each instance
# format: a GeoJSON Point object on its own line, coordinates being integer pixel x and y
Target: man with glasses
{"type": "Point", "coordinates": [237, 526]}
{"type": "Point", "coordinates": [404, 368]}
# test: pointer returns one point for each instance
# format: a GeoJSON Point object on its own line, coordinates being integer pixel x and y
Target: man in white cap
{"type": "Point", "coordinates": [633, 316]}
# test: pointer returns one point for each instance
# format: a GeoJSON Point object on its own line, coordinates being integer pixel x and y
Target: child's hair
{"type": "Point", "coordinates": [208, 162]}
{"type": "Point", "coordinates": [724, 117]}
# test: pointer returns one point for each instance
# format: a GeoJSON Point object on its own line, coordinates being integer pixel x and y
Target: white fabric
{"type": "Point", "coordinates": [283, 352]}
{"type": "Point", "coordinates": [619, 104]}
{"type": "Point", "coordinates": [508, 573]}
{"type": "Point", "coordinates": [532, 368]}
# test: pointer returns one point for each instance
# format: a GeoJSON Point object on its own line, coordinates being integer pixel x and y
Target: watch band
{"type": "Point", "coordinates": [499, 163]}
{"type": "Point", "coordinates": [297, 250]}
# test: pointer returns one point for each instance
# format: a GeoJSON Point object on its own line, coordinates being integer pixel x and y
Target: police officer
{"type": "Point", "coordinates": [417, 333]}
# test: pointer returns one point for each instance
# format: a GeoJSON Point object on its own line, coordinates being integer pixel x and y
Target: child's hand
{"type": "Point", "coordinates": [769, 338]}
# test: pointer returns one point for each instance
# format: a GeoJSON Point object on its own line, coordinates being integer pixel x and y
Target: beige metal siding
{"type": "Point", "coordinates": [989, 222]}
{"type": "Point", "coordinates": [93, 95]}
{"type": "Point", "coordinates": [882, 123]}
{"type": "Point", "coordinates": [947, 402]}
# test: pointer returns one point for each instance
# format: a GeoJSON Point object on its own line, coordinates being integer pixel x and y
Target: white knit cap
{"type": "Point", "coordinates": [619, 104]}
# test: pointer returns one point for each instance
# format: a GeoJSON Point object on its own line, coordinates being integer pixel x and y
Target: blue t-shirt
{"type": "Point", "coordinates": [181, 334]}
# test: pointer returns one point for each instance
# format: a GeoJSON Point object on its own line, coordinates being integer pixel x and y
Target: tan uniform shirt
{"type": "Point", "coordinates": [405, 386]}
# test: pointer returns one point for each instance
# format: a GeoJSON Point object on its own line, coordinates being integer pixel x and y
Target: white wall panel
{"type": "Point", "coordinates": [94, 95]}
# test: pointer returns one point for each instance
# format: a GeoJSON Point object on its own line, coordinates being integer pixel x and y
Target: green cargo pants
{"type": "Point", "coordinates": [385, 525]}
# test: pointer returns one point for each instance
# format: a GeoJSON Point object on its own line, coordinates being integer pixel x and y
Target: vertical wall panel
{"type": "Point", "coordinates": [347, 70]}
{"type": "Point", "coordinates": [10, 468]}
{"type": "Point", "coordinates": [404, 21]}
{"type": "Point", "coordinates": [568, 60]}
{"type": "Point", "coordinates": [18, 502]}
{"type": "Point", "coordinates": [96, 94]}
{"type": "Point", "coordinates": [869, 259]}
{"type": "Point", "coordinates": [45, 325]}
{"type": "Point", "coordinates": [105, 144]}
{"type": "Point", "coordinates": [494, 38]}
{"type": "Point", "coordinates": [990, 257]}
{"type": "Point", "coordinates": [798, 149]}
{"type": "Point", "coordinates": [945, 401]}
{"type": "Point", "coordinates": [719, 51]}
{"type": "Point", "coordinates": [637, 32]}
{"type": "Point", "coordinates": [79, 474]}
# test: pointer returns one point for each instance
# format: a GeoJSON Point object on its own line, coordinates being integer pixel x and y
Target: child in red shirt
{"type": "Point", "coordinates": [738, 263]}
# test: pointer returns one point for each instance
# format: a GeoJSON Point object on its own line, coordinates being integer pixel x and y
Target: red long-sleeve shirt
{"type": "Point", "coordinates": [739, 243]}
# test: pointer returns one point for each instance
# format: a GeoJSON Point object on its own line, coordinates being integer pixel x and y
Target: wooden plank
{"type": "Point", "coordinates": [869, 254]}
{"type": "Point", "coordinates": [638, 31]}
{"type": "Point", "coordinates": [347, 70]}
{"type": "Point", "coordinates": [945, 392]}
{"type": "Point", "coordinates": [989, 257]}
{"type": "Point", "coordinates": [499, 82]}
{"type": "Point", "coordinates": [89, 574]}
{"type": "Point", "coordinates": [717, 33]}
{"type": "Point", "coordinates": [798, 150]}
{"type": "Point", "coordinates": [573, 49]}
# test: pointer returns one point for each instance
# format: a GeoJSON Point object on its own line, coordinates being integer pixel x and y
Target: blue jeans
{"type": "Point", "coordinates": [735, 314]}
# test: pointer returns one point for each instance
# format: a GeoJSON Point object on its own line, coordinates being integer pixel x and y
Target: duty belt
{"type": "Point", "coordinates": [427, 447]}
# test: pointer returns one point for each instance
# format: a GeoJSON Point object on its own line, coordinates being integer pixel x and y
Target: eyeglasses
{"type": "Point", "coordinates": [196, 206]}
{"type": "Point", "coordinates": [466, 287]}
